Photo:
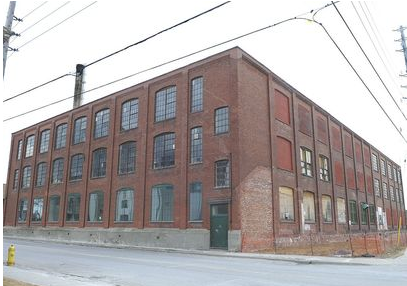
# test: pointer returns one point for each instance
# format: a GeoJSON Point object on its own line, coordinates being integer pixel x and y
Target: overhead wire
{"type": "Point", "coordinates": [137, 43]}
{"type": "Point", "coordinates": [29, 13]}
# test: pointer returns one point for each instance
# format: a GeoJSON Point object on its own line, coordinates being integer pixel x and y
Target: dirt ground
{"type": "Point", "coordinates": [12, 282]}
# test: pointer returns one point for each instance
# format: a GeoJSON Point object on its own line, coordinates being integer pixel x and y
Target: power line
{"type": "Point", "coordinates": [29, 13]}
{"type": "Point", "coordinates": [137, 43]}
{"type": "Point", "coordinates": [371, 64]}
{"type": "Point", "coordinates": [169, 62]}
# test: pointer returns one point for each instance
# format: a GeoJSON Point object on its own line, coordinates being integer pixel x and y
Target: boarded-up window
{"type": "Point", "coordinates": [339, 173]}
{"type": "Point", "coordinates": [361, 181]}
{"type": "Point", "coordinates": [308, 207]}
{"type": "Point", "coordinates": [284, 154]}
{"type": "Point", "coordinates": [340, 206]}
{"type": "Point", "coordinates": [304, 117]}
{"type": "Point", "coordinates": [369, 186]}
{"type": "Point", "coordinates": [282, 107]}
{"type": "Point", "coordinates": [348, 146]}
{"type": "Point", "coordinates": [336, 139]}
{"type": "Point", "coordinates": [350, 176]}
{"type": "Point", "coordinates": [358, 152]}
{"type": "Point", "coordinates": [326, 208]}
{"type": "Point", "coordinates": [286, 204]}
{"type": "Point", "coordinates": [366, 156]}
{"type": "Point", "coordinates": [322, 130]}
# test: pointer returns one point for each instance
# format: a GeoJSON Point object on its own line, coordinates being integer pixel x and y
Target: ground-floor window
{"type": "Point", "coordinates": [286, 204]}
{"type": "Point", "coordinates": [195, 201]}
{"type": "Point", "coordinates": [309, 207]}
{"type": "Point", "coordinates": [364, 207]}
{"type": "Point", "coordinates": [22, 210]}
{"type": "Point", "coordinates": [124, 205]}
{"type": "Point", "coordinates": [37, 209]}
{"type": "Point", "coordinates": [95, 212]}
{"type": "Point", "coordinates": [73, 204]}
{"type": "Point", "coordinates": [353, 212]}
{"type": "Point", "coordinates": [341, 207]}
{"type": "Point", "coordinates": [372, 214]}
{"type": "Point", "coordinates": [53, 212]}
{"type": "Point", "coordinates": [326, 208]}
{"type": "Point", "coordinates": [162, 203]}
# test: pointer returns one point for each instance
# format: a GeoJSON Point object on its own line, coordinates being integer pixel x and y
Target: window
{"type": "Point", "coordinates": [73, 204]}
{"type": "Point", "coordinates": [41, 174]}
{"type": "Point", "coordinates": [392, 193]}
{"type": "Point", "coordinates": [395, 174]}
{"type": "Point", "coordinates": [37, 209]}
{"type": "Point", "coordinates": [195, 201]}
{"type": "Point", "coordinates": [341, 207]}
{"type": "Point", "coordinates": [286, 204]}
{"type": "Point", "coordinates": [99, 163]}
{"type": "Point", "coordinates": [127, 158]}
{"type": "Point", "coordinates": [375, 163]}
{"type": "Point", "coordinates": [15, 181]}
{"type": "Point", "coordinates": [324, 168]}
{"type": "Point", "coordinates": [101, 123]}
{"type": "Point", "coordinates": [376, 187]}
{"type": "Point", "coordinates": [57, 171]}
{"type": "Point", "coordinates": [385, 190]}
{"type": "Point", "coordinates": [364, 207]}
{"type": "Point", "coordinates": [79, 131]}
{"type": "Point", "coordinates": [196, 145]}
{"type": "Point", "coordinates": [164, 150]}
{"type": "Point", "coordinates": [197, 94]}
{"type": "Point", "coordinates": [309, 207]}
{"type": "Point", "coordinates": [397, 196]}
{"type": "Point", "coordinates": [389, 171]}
{"type": "Point", "coordinates": [383, 167]}
{"type": "Point", "coordinates": [372, 214]}
{"type": "Point", "coordinates": [95, 212]}
{"type": "Point", "coordinates": [53, 212]}
{"type": "Point", "coordinates": [222, 120]}
{"type": "Point", "coordinates": [353, 212]}
{"type": "Point", "coordinates": [76, 167]}
{"type": "Point", "coordinates": [165, 103]}
{"type": "Point", "coordinates": [44, 141]}
{"type": "Point", "coordinates": [124, 205]}
{"type": "Point", "coordinates": [22, 210]}
{"type": "Point", "coordinates": [222, 172]}
{"type": "Point", "coordinates": [129, 114]}
{"type": "Point", "coordinates": [162, 203]}
{"type": "Point", "coordinates": [26, 182]}
{"type": "Point", "coordinates": [29, 147]}
{"type": "Point", "coordinates": [60, 139]}
{"type": "Point", "coordinates": [326, 208]}
{"type": "Point", "coordinates": [19, 149]}
{"type": "Point", "coordinates": [306, 161]}
{"type": "Point", "coordinates": [284, 154]}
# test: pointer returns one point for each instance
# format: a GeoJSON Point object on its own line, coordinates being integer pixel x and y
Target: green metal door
{"type": "Point", "coordinates": [219, 226]}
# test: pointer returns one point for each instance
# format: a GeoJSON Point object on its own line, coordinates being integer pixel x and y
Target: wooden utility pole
{"type": "Point", "coordinates": [7, 33]}
{"type": "Point", "coordinates": [77, 99]}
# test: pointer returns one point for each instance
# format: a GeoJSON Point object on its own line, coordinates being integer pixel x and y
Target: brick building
{"type": "Point", "coordinates": [220, 153]}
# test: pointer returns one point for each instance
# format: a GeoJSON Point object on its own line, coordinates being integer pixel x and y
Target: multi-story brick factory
{"type": "Point", "coordinates": [221, 153]}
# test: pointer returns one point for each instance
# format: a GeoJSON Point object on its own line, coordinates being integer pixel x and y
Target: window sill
{"type": "Point", "coordinates": [126, 174]}
{"type": "Point", "coordinates": [307, 176]}
{"type": "Point", "coordinates": [169, 221]}
{"type": "Point", "coordinates": [327, 222]}
{"type": "Point", "coordinates": [124, 131]}
{"type": "Point", "coordinates": [95, 178]}
{"type": "Point", "coordinates": [288, 221]}
{"type": "Point", "coordinates": [56, 183]}
{"type": "Point", "coordinates": [221, 133]}
{"type": "Point", "coordinates": [196, 164]}
{"type": "Point", "coordinates": [195, 221]}
{"type": "Point", "coordinates": [164, 168]}
{"type": "Point", "coordinates": [75, 180]}
{"type": "Point", "coordinates": [77, 143]}
{"type": "Point", "coordinates": [164, 120]}
{"type": "Point", "coordinates": [221, 187]}
{"type": "Point", "coordinates": [127, 221]}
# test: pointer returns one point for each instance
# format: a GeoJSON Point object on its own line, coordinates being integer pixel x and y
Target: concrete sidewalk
{"type": "Point", "coordinates": [303, 259]}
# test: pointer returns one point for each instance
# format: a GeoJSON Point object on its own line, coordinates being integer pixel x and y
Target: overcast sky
{"type": "Point", "coordinates": [298, 51]}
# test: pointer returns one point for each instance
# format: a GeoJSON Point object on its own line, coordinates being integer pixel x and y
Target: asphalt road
{"type": "Point", "coordinates": [45, 263]}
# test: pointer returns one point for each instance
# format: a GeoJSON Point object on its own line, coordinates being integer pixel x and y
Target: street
{"type": "Point", "coordinates": [46, 263]}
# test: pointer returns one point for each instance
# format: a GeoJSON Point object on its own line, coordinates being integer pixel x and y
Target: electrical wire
{"type": "Point", "coordinates": [29, 13]}
{"type": "Point", "coordinates": [368, 59]}
{"type": "Point", "coordinates": [169, 62]}
{"type": "Point", "coordinates": [137, 43]}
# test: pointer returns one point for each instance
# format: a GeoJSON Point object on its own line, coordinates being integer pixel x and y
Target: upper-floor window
{"type": "Point", "coordinates": [165, 103]}
{"type": "Point", "coordinates": [44, 143]}
{"type": "Point", "coordinates": [395, 174]}
{"type": "Point", "coordinates": [57, 171]}
{"type": "Point", "coordinates": [196, 145]}
{"type": "Point", "coordinates": [19, 149]}
{"type": "Point", "coordinates": [29, 146]}
{"type": "Point", "coordinates": [375, 162]}
{"type": "Point", "coordinates": [383, 167]}
{"type": "Point", "coordinates": [60, 139]}
{"type": "Point", "coordinates": [324, 168]}
{"type": "Point", "coordinates": [99, 163]}
{"type": "Point", "coordinates": [162, 201]}
{"type": "Point", "coordinates": [124, 205]}
{"type": "Point", "coordinates": [306, 161]}
{"type": "Point", "coordinates": [76, 167]}
{"type": "Point", "coordinates": [127, 158]}
{"type": "Point", "coordinates": [16, 178]}
{"type": "Point", "coordinates": [102, 123]}
{"type": "Point", "coordinates": [389, 171]}
{"type": "Point", "coordinates": [41, 174]}
{"type": "Point", "coordinates": [197, 94]}
{"type": "Point", "coordinates": [129, 114]}
{"type": "Point", "coordinates": [164, 150]}
{"type": "Point", "coordinates": [26, 181]}
{"type": "Point", "coordinates": [376, 186]}
{"type": "Point", "coordinates": [222, 173]}
{"type": "Point", "coordinates": [79, 131]}
{"type": "Point", "coordinates": [384, 190]}
{"type": "Point", "coordinates": [95, 209]}
{"type": "Point", "coordinates": [222, 120]}
{"type": "Point", "coordinates": [392, 197]}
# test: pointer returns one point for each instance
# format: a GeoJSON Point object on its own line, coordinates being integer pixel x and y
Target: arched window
{"type": "Point", "coordinates": [102, 123]}
{"type": "Point", "coordinates": [57, 171]}
{"type": "Point", "coordinates": [99, 157]}
{"type": "Point", "coordinates": [26, 182]}
{"type": "Point", "coordinates": [164, 150]}
{"type": "Point", "coordinates": [79, 132]}
{"type": "Point", "coordinates": [44, 142]}
{"type": "Point", "coordinates": [165, 103]}
{"type": "Point", "coordinates": [127, 158]}
{"type": "Point", "coordinates": [76, 167]}
{"type": "Point", "coordinates": [41, 174]}
{"type": "Point", "coordinates": [60, 138]}
{"type": "Point", "coordinates": [129, 114]}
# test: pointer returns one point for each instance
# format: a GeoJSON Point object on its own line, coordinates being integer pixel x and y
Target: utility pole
{"type": "Point", "coordinates": [403, 47]}
{"type": "Point", "coordinates": [77, 99]}
{"type": "Point", "coordinates": [7, 33]}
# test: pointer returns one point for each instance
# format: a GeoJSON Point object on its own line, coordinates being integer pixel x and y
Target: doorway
{"type": "Point", "coordinates": [219, 226]}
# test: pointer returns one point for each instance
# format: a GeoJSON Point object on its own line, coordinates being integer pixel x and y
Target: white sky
{"type": "Point", "coordinates": [297, 51]}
